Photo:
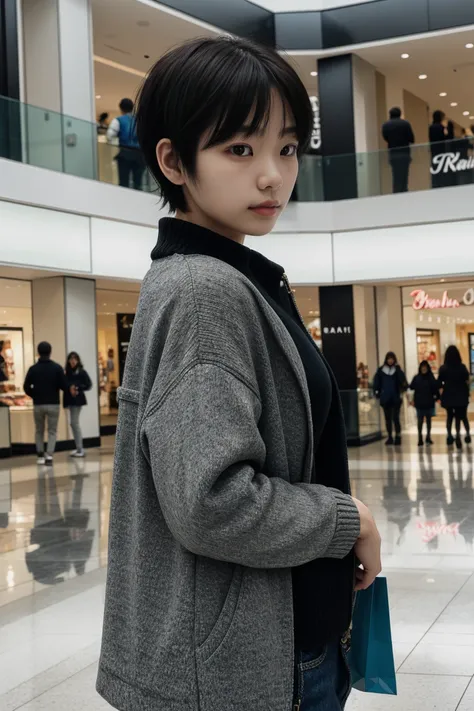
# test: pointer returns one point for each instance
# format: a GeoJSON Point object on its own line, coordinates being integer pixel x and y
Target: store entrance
{"type": "Point", "coordinates": [436, 316]}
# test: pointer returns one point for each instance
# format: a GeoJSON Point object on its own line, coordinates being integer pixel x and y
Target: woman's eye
{"type": "Point", "coordinates": [289, 151]}
{"type": "Point", "coordinates": [241, 150]}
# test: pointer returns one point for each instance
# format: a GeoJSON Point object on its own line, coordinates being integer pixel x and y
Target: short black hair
{"type": "Point", "coordinates": [396, 112]}
{"type": "Point", "coordinates": [103, 116]}
{"type": "Point", "coordinates": [126, 105]}
{"type": "Point", "coordinates": [217, 86]}
{"type": "Point", "coordinates": [44, 349]}
{"type": "Point", "coordinates": [438, 116]}
{"type": "Point", "coordinates": [452, 356]}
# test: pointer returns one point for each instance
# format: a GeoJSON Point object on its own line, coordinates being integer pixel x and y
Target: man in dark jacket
{"type": "Point", "coordinates": [43, 382]}
{"type": "Point", "coordinates": [399, 135]}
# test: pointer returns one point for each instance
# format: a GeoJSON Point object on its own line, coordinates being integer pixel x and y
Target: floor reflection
{"type": "Point", "coordinates": [59, 538]}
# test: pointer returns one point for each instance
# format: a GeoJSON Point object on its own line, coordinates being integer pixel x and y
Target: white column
{"type": "Point", "coordinates": [366, 127]}
{"type": "Point", "coordinates": [58, 56]}
{"type": "Point", "coordinates": [64, 314]}
{"type": "Point", "coordinates": [390, 322]}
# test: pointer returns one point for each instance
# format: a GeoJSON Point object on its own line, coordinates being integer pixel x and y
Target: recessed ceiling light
{"type": "Point", "coordinates": [442, 280]}
{"type": "Point", "coordinates": [469, 45]}
{"type": "Point", "coordinates": [465, 113]}
{"type": "Point", "coordinates": [443, 93]}
{"type": "Point", "coordinates": [405, 55]}
{"type": "Point", "coordinates": [454, 103]}
{"type": "Point", "coordinates": [98, 96]}
{"type": "Point", "coordinates": [471, 117]}
{"type": "Point", "coordinates": [423, 76]}
{"type": "Point", "coordinates": [314, 74]}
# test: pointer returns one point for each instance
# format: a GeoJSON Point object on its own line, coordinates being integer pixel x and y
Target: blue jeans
{"type": "Point", "coordinates": [322, 679]}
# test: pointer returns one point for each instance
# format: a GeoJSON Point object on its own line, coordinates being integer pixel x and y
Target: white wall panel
{"type": "Point", "coordinates": [121, 250]}
{"type": "Point", "coordinates": [404, 252]}
{"type": "Point", "coordinates": [81, 336]}
{"type": "Point", "coordinates": [30, 185]}
{"type": "Point", "coordinates": [43, 238]}
{"type": "Point", "coordinates": [307, 258]}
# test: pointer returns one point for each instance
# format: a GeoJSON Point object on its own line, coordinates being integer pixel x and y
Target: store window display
{"type": "Point", "coordinates": [115, 314]}
{"type": "Point", "coordinates": [17, 352]}
{"type": "Point", "coordinates": [437, 316]}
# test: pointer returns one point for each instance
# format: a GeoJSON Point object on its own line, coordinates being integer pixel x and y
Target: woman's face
{"type": "Point", "coordinates": [424, 370]}
{"type": "Point", "coordinates": [234, 179]}
{"type": "Point", "coordinates": [390, 362]}
{"type": "Point", "coordinates": [73, 362]}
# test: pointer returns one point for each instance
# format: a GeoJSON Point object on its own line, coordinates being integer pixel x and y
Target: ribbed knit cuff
{"type": "Point", "coordinates": [347, 526]}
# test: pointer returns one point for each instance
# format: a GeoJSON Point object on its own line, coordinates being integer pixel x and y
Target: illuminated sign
{"type": "Point", "coordinates": [422, 300]}
{"type": "Point", "coordinates": [450, 162]}
{"type": "Point", "coordinates": [316, 133]}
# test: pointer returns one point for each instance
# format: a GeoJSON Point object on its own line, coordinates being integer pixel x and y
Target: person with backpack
{"type": "Point", "coordinates": [129, 159]}
{"type": "Point", "coordinates": [74, 399]}
{"type": "Point", "coordinates": [389, 385]}
{"type": "Point", "coordinates": [426, 392]}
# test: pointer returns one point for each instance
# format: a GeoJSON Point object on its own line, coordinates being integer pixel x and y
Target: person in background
{"type": "Point", "coordinates": [425, 387]}
{"type": "Point", "coordinates": [398, 134]}
{"type": "Point", "coordinates": [103, 124]}
{"type": "Point", "coordinates": [78, 382]}
{"type": "Point", "coordinates": [389, 384]}
{"type": "Point", "coordinates": [3, 366]}
{"type": "Point", "coordinates": [453, 381]}
{"type": "Point", "coordinates": [43, 382]}
{"type": "Point", "coordinates": [129, 159]}
{"type": "Point", "coordinates": [437, 136]}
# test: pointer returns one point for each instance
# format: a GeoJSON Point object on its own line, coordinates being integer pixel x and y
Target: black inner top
{"type": "Point", "coordinates": [322, 589]}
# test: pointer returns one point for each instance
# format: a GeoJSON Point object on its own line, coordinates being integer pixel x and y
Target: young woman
{"type": "Point", "coordinates": [74, 398]}
{"type": "Point", "coordinates": [453, 381]}
{"type": "Point", "coordinates": [233, 532]}
{"type": "Point", "coordinates": [389, 385]}
{"type": "Point", "coordinates": [426, 392]}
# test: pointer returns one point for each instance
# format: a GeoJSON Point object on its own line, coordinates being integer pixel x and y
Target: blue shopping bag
{"type": "Point", "coordinates": [371, 655]}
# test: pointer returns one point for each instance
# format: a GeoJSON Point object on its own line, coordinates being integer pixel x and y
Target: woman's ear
{"type": "Point", "coordinates": [169, 162]}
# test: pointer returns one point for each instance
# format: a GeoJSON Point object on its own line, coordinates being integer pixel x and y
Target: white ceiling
{"type": "Point", "coordinates": [140, 27]}
{"type": "Point", "coordinates": [445, 60]}
{"type": "Point", "coordinates": [134, 29]}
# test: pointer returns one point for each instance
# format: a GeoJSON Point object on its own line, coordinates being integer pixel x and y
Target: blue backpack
{"type": "Point", "coordinates": [128, 132]}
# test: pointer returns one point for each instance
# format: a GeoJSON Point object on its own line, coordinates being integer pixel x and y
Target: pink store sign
{"type": "Point", "coordinates": [423, 301]}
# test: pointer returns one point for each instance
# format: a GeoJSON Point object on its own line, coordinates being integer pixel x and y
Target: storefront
{"type": "Point", "coordinates": [342, 322]}
{"type": "Point", "coordinates": [436, 316]}
{"type": "Point", "coordinates": [16, 338]}
{"type": "Point", "coordinates": [115, 315]}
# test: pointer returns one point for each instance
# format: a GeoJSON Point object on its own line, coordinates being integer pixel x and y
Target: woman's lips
{"type": "Point", "coordinates": [265, 210]}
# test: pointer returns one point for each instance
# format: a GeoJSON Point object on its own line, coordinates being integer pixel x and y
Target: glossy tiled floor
{"type": "Point", "coordinates": [53, 545]}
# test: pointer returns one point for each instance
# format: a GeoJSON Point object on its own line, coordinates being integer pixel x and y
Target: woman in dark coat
{"type": "Point", "coordinates": [74, 398]}
{"type": "Point", "coordinates": [426, 392]}
{"type": "Point", "coordinates": [389, 384]}
{"type": "Point", "coordinates": [453, 380]}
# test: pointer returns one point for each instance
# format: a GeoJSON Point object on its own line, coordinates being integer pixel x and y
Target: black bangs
{"type": "Point", "coordinates": [213, 89]}
{"type": "Point", "coordinates": [245, 104]}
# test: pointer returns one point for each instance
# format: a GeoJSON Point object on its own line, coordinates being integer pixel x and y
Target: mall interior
{"type": "Point", "coordinates": [374, 266]}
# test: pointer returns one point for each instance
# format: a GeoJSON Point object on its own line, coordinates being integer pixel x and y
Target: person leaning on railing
{"type": "Point", "coordinates": [129, 159]}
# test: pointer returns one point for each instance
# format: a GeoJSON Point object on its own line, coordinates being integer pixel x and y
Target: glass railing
{"type": "Point", "coordinates": [446, 164]}
{"type": "Point", "coordinates": [48, 139]}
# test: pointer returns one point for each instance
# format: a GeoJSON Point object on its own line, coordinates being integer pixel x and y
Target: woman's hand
{"type": "Point", "coordinates": [367, 548]}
